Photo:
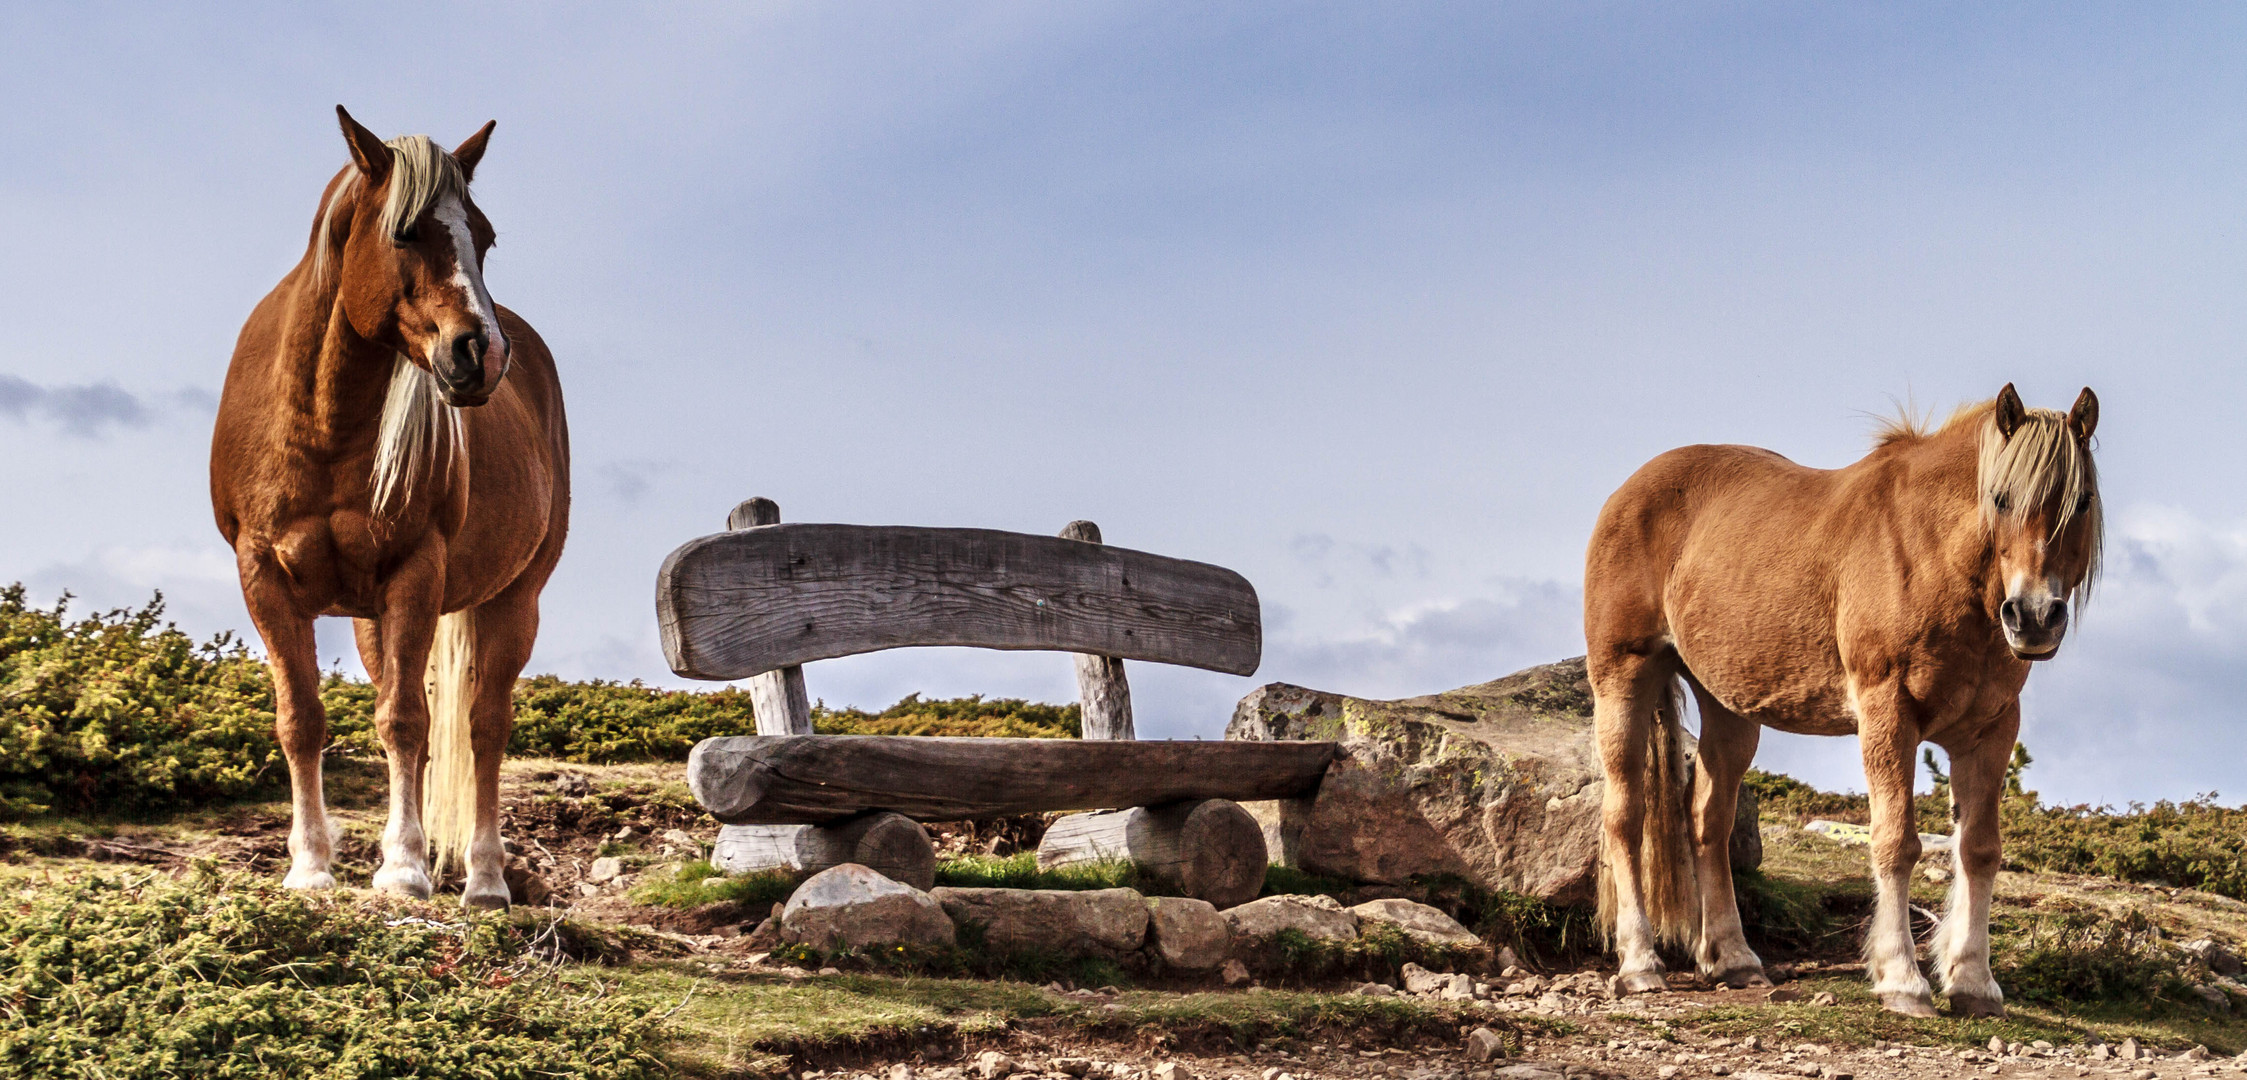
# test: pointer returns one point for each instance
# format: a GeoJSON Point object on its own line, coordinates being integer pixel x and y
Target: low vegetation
{"type": "Point", "coordinates": [121, 712]}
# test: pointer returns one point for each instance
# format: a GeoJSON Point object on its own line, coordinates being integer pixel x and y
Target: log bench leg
{"type": "Point", "coordinates": [1209, 849]}
{"type": "Point", "coordinates": [892, 845]}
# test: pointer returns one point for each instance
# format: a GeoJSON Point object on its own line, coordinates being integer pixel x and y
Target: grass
{"type": "Point", "coordinates": [1021, 871]}
{"type": "Point", "coordinates": [698, 883]}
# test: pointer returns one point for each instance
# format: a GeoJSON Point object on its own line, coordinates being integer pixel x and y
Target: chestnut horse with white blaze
{"type": "Point", "coordinates": [1900, 599]}
{"type": "Point", "coordinates": [390, 446]}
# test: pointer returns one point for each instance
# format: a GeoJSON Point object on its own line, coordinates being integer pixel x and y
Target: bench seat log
{"type": "Point", "coordinates": [1209, 849]}
{"type": "Point", "coordinates": [741, 603]}
{"type": "Point", "coordinates": [816, 779]}
{"type": "Point", "coordinates": [893, 845]}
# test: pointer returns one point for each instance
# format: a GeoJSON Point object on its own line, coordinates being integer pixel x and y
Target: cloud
{"type": "Point", "coordinates": [1439, 645]}
{"type": "Point", "coordinates": [85, 409]}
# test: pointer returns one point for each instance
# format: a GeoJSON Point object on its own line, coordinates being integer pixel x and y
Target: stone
{"type": "Point", "coordinates": [1997, 1044]}
{"type": "Point", "coordinates": [572, 785]}
{"type": "Point", "coordinates": [525, 885]}
{"type": "Point", "coordinates": [1419, 922]}
{"type": "Point", "coordinates": [1528, 1072]}
{"type": "Point", "coordinates": [2220, 960]}
{"type": "Point", "coordinates": [1095, 922]}
{"type": "Point", "coordinates": [990, 1064]}
{"type": "Point", "coordinates": [1782, 995]}
{"type": "Point", "coordinates": [1497, 783]}
{"type": "Point", "coordinates": [1320, 918]}
{"type": "Point", "coordinates": [901, 1071]}
{"type": "Point", "coordinates": [1484, 1044]}
{"type": "Point", "coordinates": [1072, 1066]}
{"type": "Point", "coordinates": [1171, 1070]}
{"type": "Point", "coordinates": [605, 870]}
{"type": "Point", "coordinates": [1373, 989]}
{"type": "Point", "coordinates": [2197, 1053]}
{"type": "Point", "coordinates": [1419, 980]}
{"type": "Point", "coordinates": [1233, 972]}
{"type": "Point", "coordinates": [1506, 961]}
{"type": "Point", "coordinates": [851, 905]}
{"type": "Point", "coordinates": [1186, 933]}
{"type": "Point", "coordinates": [682, 838]}
{"type": "Point", "coordinates": [2213, 997]}
{"type": "Point", "coordinates": [1457, 988]}
{"type": "Point", "coordinates": [2129, 1050]}
{"type": "Point", "coordinates": [1824, 997]}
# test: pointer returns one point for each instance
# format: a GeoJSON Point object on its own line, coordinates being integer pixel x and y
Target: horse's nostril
{"type": "Point", "coordinates": [468, 360]}
{"type": "Point", "coordinates": [2009, 613]}
{"type": "Point", "coordinates": [2057, 614]}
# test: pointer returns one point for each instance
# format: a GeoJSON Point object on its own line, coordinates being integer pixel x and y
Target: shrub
{"type": "Point", "coordinates": [145, 977]}
{"type": "Point", "coordinates": [2195, 844]}
{"type": "Point", "coordinates": [122, 713]}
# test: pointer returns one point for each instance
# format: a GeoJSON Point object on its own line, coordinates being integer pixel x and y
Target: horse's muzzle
{"type": "Point", "coordinates": [2032, 629]}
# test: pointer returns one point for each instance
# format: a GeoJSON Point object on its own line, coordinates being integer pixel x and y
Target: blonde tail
{"type": "Point", "coordinates": [448, 792]}
{"type": "Point", "coordinates": [1668, 883]}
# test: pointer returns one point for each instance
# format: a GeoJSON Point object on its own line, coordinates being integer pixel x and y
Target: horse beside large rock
{"type": "Point", "coordinates": [1497, 783]}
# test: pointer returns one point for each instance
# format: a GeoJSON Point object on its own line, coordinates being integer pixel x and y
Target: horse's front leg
{"type": "Point", "coordinates": [1962, 944]}
{"type": "Point", "coordinates": [1889, 739]}
{"type": "Point", "coordinates": [299, 721]}
{"type": "Point", "coordinates": [399, 644]}
{"type": "Point", "coordinates": [504, 629]}
{"type": "Point", "coordinates": [1728, 745]}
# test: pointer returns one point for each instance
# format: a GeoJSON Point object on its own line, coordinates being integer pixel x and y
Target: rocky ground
{"type": "Point", "coordinates": [585, 837]}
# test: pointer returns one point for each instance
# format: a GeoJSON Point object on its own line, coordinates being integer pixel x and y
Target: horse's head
{"type": "Point", "coordinates": [2039, 497]}
{"type": "Point", "coordinates": [407, 244]}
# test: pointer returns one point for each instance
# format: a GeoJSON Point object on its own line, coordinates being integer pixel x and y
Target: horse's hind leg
{"type": "Point", "coordinates": [505, 628]}
{"type": "Point", "coordinates": [1728, 744]}
{"type": "Point", "coordinates": [1962, 945]}
{"type": "Point", "coordinates": [1627, 688]}
{"type": "Point", "coordinates": [1889, 739]}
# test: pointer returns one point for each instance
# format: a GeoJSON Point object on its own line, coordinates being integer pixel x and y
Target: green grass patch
{"type": "Point", "coordinates": [1021, 871]}
{"type": "Point", "coordinates": [698, 883]}
{"type": "Point", "coordinates": [2193, 844]}
{"type": "Point", "coordinates": [142, 976]}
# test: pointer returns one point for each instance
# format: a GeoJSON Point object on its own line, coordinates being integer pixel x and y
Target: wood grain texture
{"type": "Point", "coordinates": [1210, 849]}
{"type": "Point", "coordinates": [814, 779]}
{"type": "Point", "coordinates": [781, 704]}
{"type": "Point", "coordinates": [745, 602]}
{"type": "Point", "coordinates": [895, 846]}
{"type": "Point", "coordinates": [1103, 694]}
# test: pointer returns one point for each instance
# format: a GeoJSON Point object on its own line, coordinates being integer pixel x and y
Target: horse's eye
{"type": "Point", "coordinates": [1998, 500]}
{"type": "Point", "coordinates": [2083, 504]}
{"type": "Point", "coordinates": [407, 235]}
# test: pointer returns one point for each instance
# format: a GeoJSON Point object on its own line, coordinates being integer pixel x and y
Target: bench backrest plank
{"type": "Point", "coordinates": [756, 599]}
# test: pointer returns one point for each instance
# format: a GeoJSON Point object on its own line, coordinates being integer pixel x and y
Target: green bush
{"type": "Point", "coordinates": [122, 713]}
{"type": "Point", "coordinates": [2193, 844]}
{"type": "Point", "coordinates": [147, 977]}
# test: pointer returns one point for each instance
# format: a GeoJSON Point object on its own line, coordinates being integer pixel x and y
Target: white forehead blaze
{"type": "Point", "coordinates": [468, 274]}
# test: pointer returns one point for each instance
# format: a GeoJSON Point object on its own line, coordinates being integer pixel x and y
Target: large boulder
{"type": "Point", "coordinates": [1321, 918]}
{"type": "Point", "coordinates": [1419, 922]}
{"type": "Point", "coordinates": [1186, 933]}
{"type": "Point", "coordinates": [850, 905]}
{"type": "Point", "coordinates": [1497, 783]}
{"type": "Point", "coordinates": [1088, 923]}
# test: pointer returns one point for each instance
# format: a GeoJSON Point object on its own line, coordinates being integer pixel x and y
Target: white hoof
{"type": "Point", "coordinates": [485, 893]}
{"type": "Point", "coordinates": [307, 878]}
{"type": "Point", "coordinates": [410, 881]}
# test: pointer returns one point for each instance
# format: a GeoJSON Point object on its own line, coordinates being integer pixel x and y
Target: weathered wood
{"type": "Point", "coordinates": [1210, 850]}
{"type": "Point", "coordinates": [778, 698]}
{"type": "Point", "coordinates": [746, 602]}
{"type": "Point", "coordinates": [893, 845]}
{"type": "Point", "coordinates": [1103, 695]}
{"type": "Point", "coordinates": [813, 779]}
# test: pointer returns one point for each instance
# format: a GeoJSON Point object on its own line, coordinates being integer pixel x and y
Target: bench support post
{"type": "Point", "coordinates": [781, 704]}
{"type": "Point", "coordinates": [1103, 696]}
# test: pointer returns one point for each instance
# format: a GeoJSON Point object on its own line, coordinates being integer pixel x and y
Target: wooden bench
{"type": "Point", "coordinates": [762, 599]}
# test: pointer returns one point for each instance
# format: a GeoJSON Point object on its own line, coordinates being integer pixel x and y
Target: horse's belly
{"type": "Point", "coordinates": [1801, 702]}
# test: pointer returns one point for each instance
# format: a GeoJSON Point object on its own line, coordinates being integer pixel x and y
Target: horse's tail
{"type": "Point", "coordinates": [1668, 883]}
{"type": "Point", "coordinates": [448, 794]}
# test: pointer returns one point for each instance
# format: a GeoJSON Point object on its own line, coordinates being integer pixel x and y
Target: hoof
{"type": "Point", "coordinates": [485, 896]}
{"type": "Point", "coordinates": [1642, 982]}
{"type": "Point", "coordinates": [409, 881]}
{"type": "Point", "coordinates": [1742, 978]}
{"type": "Point", "coordinates": [1967, 1005]}
{"type": "Point", "coordinates": [1908, 1004]}
{"type": "Point", "coordinates": [308, 879]}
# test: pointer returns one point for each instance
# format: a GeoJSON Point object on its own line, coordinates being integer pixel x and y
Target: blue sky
{"type": "Point", "coordinates": [1372, 303]}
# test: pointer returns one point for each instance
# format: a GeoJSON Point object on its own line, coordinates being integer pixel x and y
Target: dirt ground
{"type": "Point", "coordinates": [561, 819]}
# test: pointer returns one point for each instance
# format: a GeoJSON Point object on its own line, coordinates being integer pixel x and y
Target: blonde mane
{"type": "Point", "coordinates": [2043, 461]}
{"type": "Point", "coordinates": [421, 173]}
{"type": "Point", "coordinates": [419, 434]}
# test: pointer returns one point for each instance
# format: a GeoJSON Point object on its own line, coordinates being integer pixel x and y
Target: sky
{"type": "Point", "coordinates": [1374, 304]}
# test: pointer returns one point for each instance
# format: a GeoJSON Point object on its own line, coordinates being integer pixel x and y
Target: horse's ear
{"type": "Point", "coordinates": [2010, 411]}
{"type": "Point", "coordinates": [367, 151]}
{"type": "Point", "coordinates": [471, 149]}
{"type": "Point", "coordinates": [2084, 418]}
